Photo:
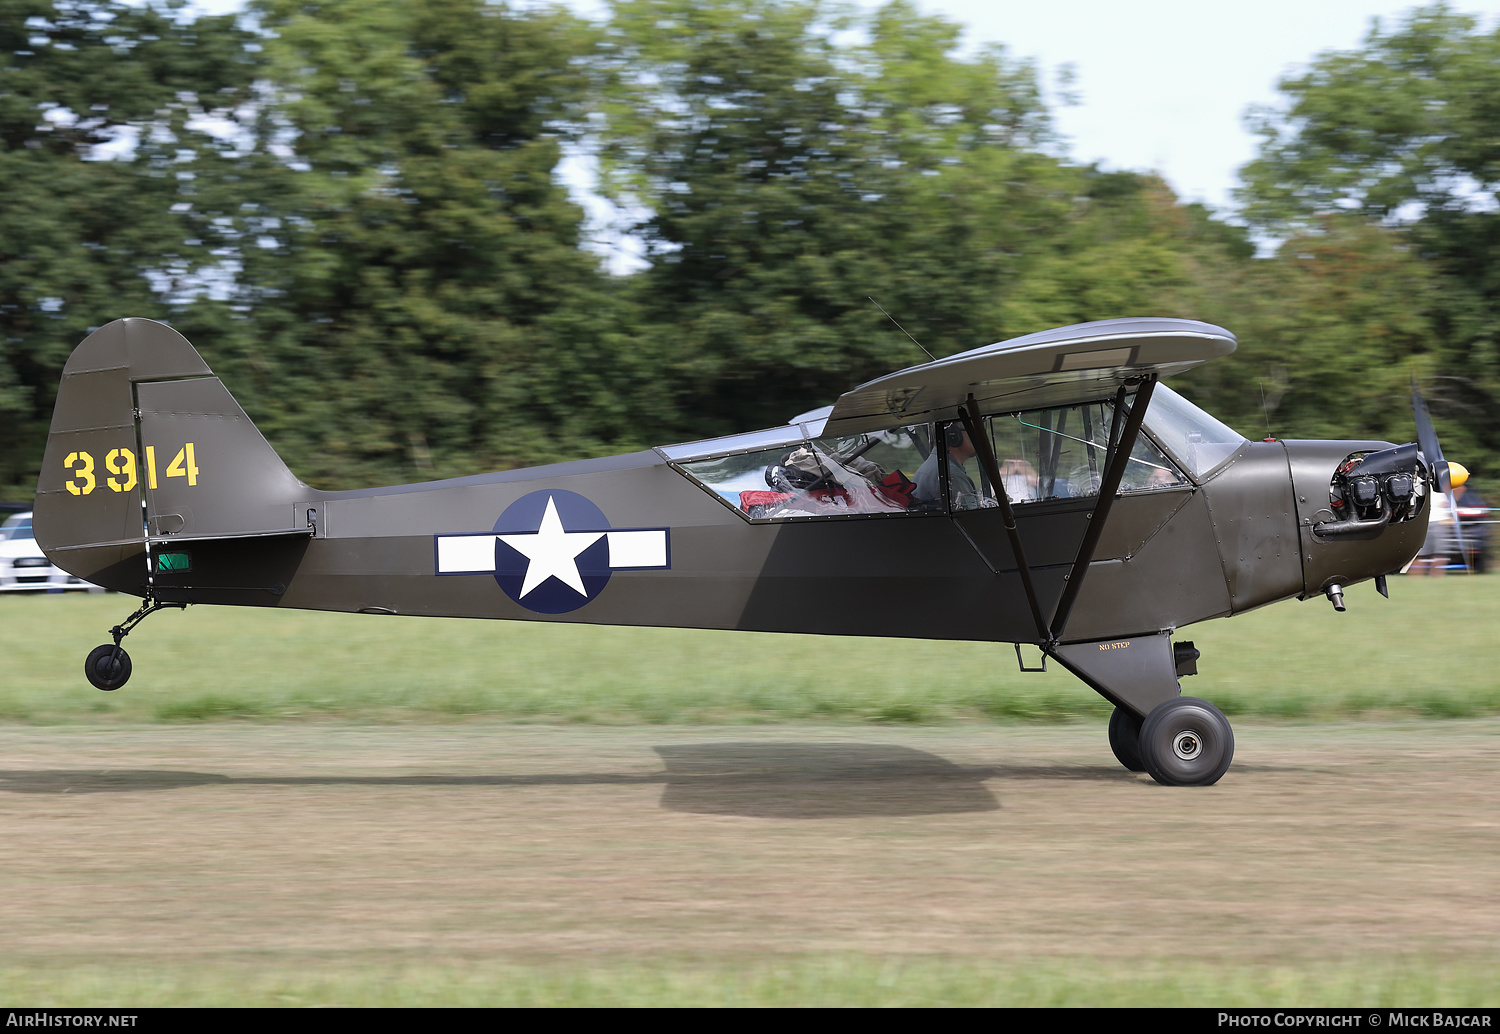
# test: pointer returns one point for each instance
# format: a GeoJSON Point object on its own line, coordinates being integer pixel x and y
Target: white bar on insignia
{"type": "Point", "coordinates": [465, 554]}
{"type": "Point", "coordinates": [638, 548]}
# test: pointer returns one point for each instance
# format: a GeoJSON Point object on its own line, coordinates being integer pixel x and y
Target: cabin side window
{"type": "Point", "coordinates": [1047, 454]}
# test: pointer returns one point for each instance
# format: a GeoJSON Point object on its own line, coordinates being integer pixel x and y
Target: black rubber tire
{"type": "Point", "coordinates": [108, 667]}
{"type": "Point", "coordinates": [1186, 742]}
{"type": "Point", "coordinates": [1125, 739]}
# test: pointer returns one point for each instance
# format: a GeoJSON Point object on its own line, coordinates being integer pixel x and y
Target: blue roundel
{"type": "Point", "coordinates": [551, 551]}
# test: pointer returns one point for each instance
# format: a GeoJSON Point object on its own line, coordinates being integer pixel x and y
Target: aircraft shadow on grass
{"type": "Point", "coordinates": [757, 780]}
{"type": "Point", "coordinates": [836, 780]}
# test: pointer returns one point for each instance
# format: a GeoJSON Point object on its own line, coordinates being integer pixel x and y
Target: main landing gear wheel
{"type": "Point", "coordinates": [108, 667]}
{"type": "Point", "coordinates": [1125, 739]}
{"type": "Point", "coordinates": [1186, 742]}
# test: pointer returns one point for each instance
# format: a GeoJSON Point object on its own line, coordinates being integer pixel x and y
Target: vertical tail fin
{"type": "Point", "coordinates": [148, 445]}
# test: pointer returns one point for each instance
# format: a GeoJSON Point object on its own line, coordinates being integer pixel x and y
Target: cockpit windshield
{"type": "Point", "coordinates": [1199, 441]}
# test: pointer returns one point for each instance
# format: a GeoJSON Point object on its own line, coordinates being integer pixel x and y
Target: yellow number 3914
{"type": "Point", "coordinates": [122, 467]}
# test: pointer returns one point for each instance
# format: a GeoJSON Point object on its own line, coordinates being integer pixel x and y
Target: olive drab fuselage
{"type": "Point", "coordinates": [156, 483]}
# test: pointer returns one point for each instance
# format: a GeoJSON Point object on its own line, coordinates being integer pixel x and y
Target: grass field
{"type": "Point", "coordinates": [317, 809]}
{"type": "Point", "coordinates": [826, 981]}
{"type": "Point", "coordinates": [1430, 651]}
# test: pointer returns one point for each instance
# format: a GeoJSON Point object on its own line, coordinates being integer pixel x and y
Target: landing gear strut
{"type": "Point", "coordinates": [1178, 740]}
{"type": "Point", "coordinates": [108, 666]}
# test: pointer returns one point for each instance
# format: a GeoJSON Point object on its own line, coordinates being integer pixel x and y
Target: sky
{"type": "Point", "coordinates": [1165, 84]}
{"type": "Point", "coordinates": [1162, 85]}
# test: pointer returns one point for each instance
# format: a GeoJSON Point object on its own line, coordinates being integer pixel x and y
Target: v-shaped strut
{"type": "Point", "coordinates": [1122, 443]}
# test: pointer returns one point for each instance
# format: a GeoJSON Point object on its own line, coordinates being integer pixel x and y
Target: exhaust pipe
{"type": "Point", "coordinates": [1353, 526]}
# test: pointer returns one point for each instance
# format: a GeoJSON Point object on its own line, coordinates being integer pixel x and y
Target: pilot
{"type": "Point", "coordinates": [961, 491]}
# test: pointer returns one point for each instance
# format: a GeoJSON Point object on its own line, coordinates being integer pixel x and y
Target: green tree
{"type": "Point", "coordinates": [413, 300]}
{"type": "Point", "coordinates": [1330, 328]}
{"type": "Point", "coordinates": [1404, 134]}
{"type": "Point", "coordinates": [100, 104]}
{"type": "Point", "coordinates": [373, 245]}
{"type": "Point", "coordinates": [795, 160]}
{"type": "Point", "coordinates": [791, 171]}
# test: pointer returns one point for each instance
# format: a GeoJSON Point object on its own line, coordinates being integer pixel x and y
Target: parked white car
{"type": "Point", "coordinates": [23, 566]}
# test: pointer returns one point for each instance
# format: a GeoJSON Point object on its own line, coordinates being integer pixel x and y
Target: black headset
{"type": "Point", "coordinates": [953, 434]}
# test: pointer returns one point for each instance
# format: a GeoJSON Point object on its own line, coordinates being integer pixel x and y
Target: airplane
{"type": "Point", "coordinates": [1046, 490]}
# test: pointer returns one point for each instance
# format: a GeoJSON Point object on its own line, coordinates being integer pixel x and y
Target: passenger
{"type": "Point", "coordinates": [1020, 480]}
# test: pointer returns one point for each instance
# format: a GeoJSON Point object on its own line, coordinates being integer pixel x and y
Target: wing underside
{"type": "Point", "coordinates": [1059, 367]}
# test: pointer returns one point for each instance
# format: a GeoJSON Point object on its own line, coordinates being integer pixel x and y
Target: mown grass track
{"type": "Point", "coordinates": [490, 863]}
{"type": "Point", "coordinates": [1429, 651]}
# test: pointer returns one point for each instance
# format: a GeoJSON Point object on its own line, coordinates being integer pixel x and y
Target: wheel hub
{"type": "Point", "coordinates": [1187, 745]}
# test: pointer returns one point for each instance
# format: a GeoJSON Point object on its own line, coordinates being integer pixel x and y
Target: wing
{"type": "Point", "coordinates": [1059, 367]}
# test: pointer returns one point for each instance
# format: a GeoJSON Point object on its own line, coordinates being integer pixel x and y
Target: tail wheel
{"type": "Point", "coordinates": [1186, 742]}
{"type": "Point", "coordinates": [108, 667]}
{"type": "Point", "coordinates": [1125, 739]}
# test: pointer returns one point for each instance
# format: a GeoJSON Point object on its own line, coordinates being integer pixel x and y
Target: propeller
{"type": "Point", "coordinates": [1427, 439]}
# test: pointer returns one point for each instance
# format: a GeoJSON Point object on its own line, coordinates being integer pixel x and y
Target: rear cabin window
{"type": "Point", "coordinates": [821, 477]}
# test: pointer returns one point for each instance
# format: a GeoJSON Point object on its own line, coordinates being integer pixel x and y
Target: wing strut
{"type": "Point", "coordinates": [1122, 444]}
{"type": "Point", "coordinates": [1108, 488]}
{"type": "Point", "coordinates": [969, 413]}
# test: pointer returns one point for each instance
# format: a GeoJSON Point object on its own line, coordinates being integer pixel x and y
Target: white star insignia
{"type": "Point", "coordinates": [552, 551]}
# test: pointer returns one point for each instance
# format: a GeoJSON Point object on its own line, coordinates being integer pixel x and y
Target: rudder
{"type": "Point", "coordinates": [148, 446]}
